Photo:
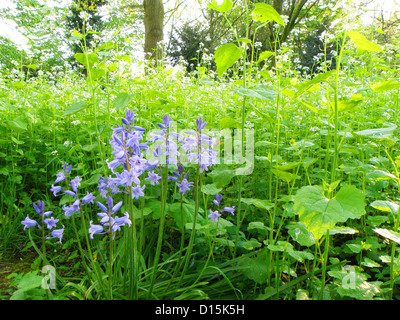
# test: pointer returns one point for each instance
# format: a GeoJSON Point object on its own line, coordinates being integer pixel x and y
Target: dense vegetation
{"type": "Point", "coordinates": [241, 176]}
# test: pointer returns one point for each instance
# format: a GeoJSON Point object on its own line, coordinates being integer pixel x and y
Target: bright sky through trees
{"type": "Point", "coordinates": [9, 29]}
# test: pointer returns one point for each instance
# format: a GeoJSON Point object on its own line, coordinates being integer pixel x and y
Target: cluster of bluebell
{"type": "Point", "coordinates": [133, 155]}
{"type": "Point", "coordinates": [46, 221]}
{"type": "Point", "coordinates": [214, 215]}
{"type": "Point", "coordinates": [109, 223]}
{"type": "Point", "coordinates": [131, 159]}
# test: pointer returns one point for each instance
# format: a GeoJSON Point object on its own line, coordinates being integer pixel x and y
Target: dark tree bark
{"type": "Point", "coordinates": [154, 30]}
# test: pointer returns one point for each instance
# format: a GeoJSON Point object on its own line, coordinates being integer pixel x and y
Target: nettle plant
{"type": "Point", "coordinates": [134, 162]}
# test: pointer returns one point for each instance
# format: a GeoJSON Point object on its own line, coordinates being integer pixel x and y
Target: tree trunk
{"type": "Point", "coordinates": [154, 30]}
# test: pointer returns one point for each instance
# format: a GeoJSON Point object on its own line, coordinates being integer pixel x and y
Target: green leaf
{"type": "Point", "coordinates": [224, 7]}
{"type": "Point", "coordinates": [380, 133]}
{"type": "Point", "coordinates": [259, 92]}
{"type": "Point", "coordinates": [265, 55]}
{"type": "Point", "coordinates": [210, 189]}
{"type": "Point", "coordinates": [227, 122]}
{"type": "Point", "coordinates": [262, 204]}
{"type": "Point", "coordinates": [187, 212]}
{"type": "Point", "coordinates": [264, 12]}
{"type": "Point", "coordinates": [250, 245]}
{"type": "Point", "coordinates": [385, 206]}
{"type": "Point", "coordinates": [287, 176]}
{"type": "Point", "coordinates": [226, 56]}
{"type": "Point", "coordinates": [221, 177]}
{"type": "Point", "coordinates": [298, 231]}
{"type": "Point", "coordinates": [319, 213]}
{"type": "Point", "coordinates": [17, 125]}
{"type": "Point", "coordinates": [363, 43]}
{"type": "Point", "coordinates": [88, 60]}
{"type": "Point", "coordinates": [122, 100]}
{"type": "Point", "coordinates": [389, 234]}
{"type": "Point", "coordinates": [284, 246]}
{"type": "Point", "coordinates": [96, 73]}
{"type": "Point", "coordinates": [255, 269]}
{"type": "Point", "coordinates": [304, 86]}
{"type": "Point", "coordinates": [74, 108]}
{"type": "Point", "coordinates": [385, 86]}
{"type": "Point", "coordinates": [259, 226]}
{"type": "Point", "coordinates": [106, 46]}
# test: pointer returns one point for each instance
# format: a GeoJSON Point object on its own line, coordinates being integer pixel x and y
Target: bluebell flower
{"type": "Point", "coordinates": [50, 222]}
{"type": "Point", "coordinates": [70, 193]}
{"type": "Point", "coordinates": [230, 209]}
{"type": "Point", "coordinates": [55, 189]}
{"type": "Point", "coordinates": [28, 222]}
{"type": "Point", "coordinates": [60, 177]}
{"type": "Point", "coordinates": [184, 186]}
{"type": "Point", "coordinates": [137, 192]}
{"type": "Point", "coordinates": [95, 228]}
{"type": "Point", "coordinates": [153, 178]}
{"type": "Point", "coordinates": [107, 219]}
{"type": "Point", "coordinates": [70, 210]}
{"type": "Point", "coordinates": [217, 199]}
{"type": "Point", "coordinates": [200, 124]}
{"type": "Point", "coordinates": [57, 233]}
{"type": "Point", "coordinates": [75, 183]}
{"type": "Point", "coordinates": [214, 215]}
{"type": "Point", "coordinates": [88, 198]}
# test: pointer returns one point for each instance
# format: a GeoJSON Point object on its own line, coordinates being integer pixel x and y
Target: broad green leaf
{"type": "Point", "coordinates": [304, 86]}
{"type": "Point", "coordinates": [187, 212]}
{"type": "Point", "coordinates": [126, 58]}
{"type": "Point", "coordinates": [88, 60]}
{"type": "Point", "coordinates": [380, 133]}
{"type": "Point", "coordinates": [380, 175]}
{"type": "Point", "coordinates": [389, 234]}
{"type": "Point", "coordinates": [259, 226]}
{"type": "Point", "coordinates": [385, 206]}
{"type": "Point", "coordinates": [224, 7]}
{"type": "Point", "coordinates": [262, 204]}
{"type": "Point", "coordinates": [227, 122]}
{"type": "Point", "coordinates": [385, 86]}
{"type": "Point", "coordinates": [250, 245]}
{"type": "Point", "coordinates": [347, 105]}
{"type": "Point", "coordinates": [210, 189]}
{"type": "Point", "coordinates": [97, 73]}
{"type": "Point", "coordinates": [122, 100]}
{"type": "Point", "coordinates": [287, 247]}
{"type": "Point", "coordinates": [352, 202]}
{"type": "Point", "coordinates": [90, 147]}
{"type": "Point", "coordinates": [259, 92]}
{"type": "Point", "coordinates": [226, 56]}
{"type": "Point", "coordinates": [298, 231]}
{"type": "Point", "coordinates": [353, 284]}
{"type": "Point", "coordinates": [287, 176]}
{"type": "Point", "coordinates": [74, 108]}
{"type": "Point", "coordinates": [255, 269]}
{"type": "Point", "coordinates": [265, 55]}
{"type": "Point", "coordinates": [363, 43]}
{"type": "Point", "coordinates": [106, 46]}
{"type": "Point", "coordinates": [17, 125]}
{"type": "Point", "coordinates": [222, 177]}
{"type": "Point", "coordinates": [319, 213]}
{"type": "Point", "coordinates": [342, 230]}
{"type": "Point", "coordinates": [77, 34]}
{"type": "Point", "coordinates": [264, 12]}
